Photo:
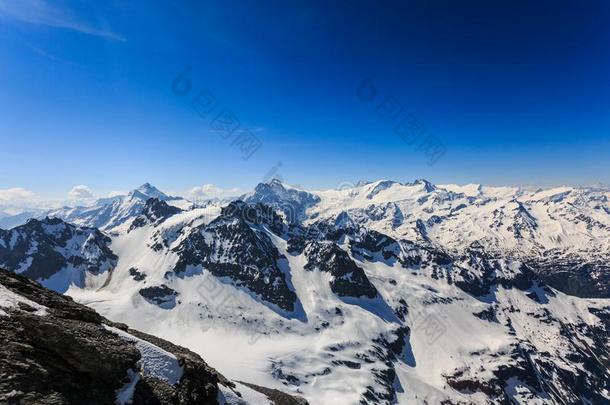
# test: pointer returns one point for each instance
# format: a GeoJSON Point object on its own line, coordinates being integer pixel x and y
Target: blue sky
{"type": "Point", "coordinates": [515, 92]}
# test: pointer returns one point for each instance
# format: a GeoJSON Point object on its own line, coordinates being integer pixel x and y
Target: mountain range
{"type": "Point", "coordinates": [381, 292]}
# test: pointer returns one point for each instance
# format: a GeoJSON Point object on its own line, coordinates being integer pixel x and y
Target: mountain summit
{"type": "Point", "coordinates": [147, 190]}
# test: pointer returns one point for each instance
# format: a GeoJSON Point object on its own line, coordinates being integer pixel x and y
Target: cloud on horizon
{"type": "Point", "coordinates": [209, 191]}
{"type": "Point", "coordinates": [80, 192]}
{"type": "Point", "coordinates": [116, 193]}
{"type": "Point", "coordinates": [15, 194]}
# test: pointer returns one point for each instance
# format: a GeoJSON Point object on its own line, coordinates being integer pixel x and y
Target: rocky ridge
{"type": "Point", "coordinates": [55, 351]}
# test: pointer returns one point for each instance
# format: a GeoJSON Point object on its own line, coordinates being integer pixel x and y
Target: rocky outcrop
{"type": "Point", "coordinates": [154, 212]}
{"type": "Point", "coordinates": [161, 295]}
{"type": "Point", "coordinates": [68, 355]}
{"type": "Point", "coordinates": [348, 280]}
{"type": "Point", "coordinates": [278, 397]}
{"type": "Point", "coordinates": [573, 274]}
{"type": "Point", "coordinates": [55, 351]}
{"type": "Point", "coordinates": [234, 246]}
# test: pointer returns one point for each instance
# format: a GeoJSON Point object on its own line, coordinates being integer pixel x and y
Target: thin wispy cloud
{"type": "Point", "coordinates": [42, 12]}
{"type": "Point", "coordinates": [47, 55]}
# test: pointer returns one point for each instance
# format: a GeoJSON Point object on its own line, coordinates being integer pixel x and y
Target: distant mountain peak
{"type": "Point", "coordinates": [292, 202]}
{"type": "Point", "coordinates": [50, 220]}
{"type": "Point", "coordinates": [379, 186]}
{"type": "Point", "coordinates": [428, 186]}
{"type": "Point", "coordinates": [361, 183]}
{"type": "Point", "coordinates": [146, 191]}
{"type": "Point", "coordinates": [275, 182]}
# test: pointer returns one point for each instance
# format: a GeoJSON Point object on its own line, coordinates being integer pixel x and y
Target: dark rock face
{"type": "Point", "coordinates": [61, 361]}
{"type": "Point", "coordinates": [488, 315]}
{"type": "Point", "coordinates": [292, 203]}
{"type": "Point", "coordinates": [382, 185]}
{"type": "Point", "coordinates": [162, 296]}
{"type": "Point", "coordinates": [521, 369]}
{"type": "Point", "coordinates": [582, 277]}
{"type": "Point", "coordinates": [41, 248]}
{"type": "Point", "coordinates": [479, 272]}
{"type": "Point", "coordinates": [256, 214]}
{"type": "Point", "coordinates": [154, 212]}
{"type": "Point", "coordinates": [299, 235]}
{"type": "Point", "coordinates": [349, 279]}
{"type": "Point", "coordinates": [136, 274]}
{"type": "Point", "coordinates": [235, 246]}
{"type": "Point", "coordinates": [541, 375]}
{"type": "Point", "coordinates": [67, 356]}
{"type": "Point", "coordinates": [372, 245]}
{"type": "Point", "coordinates": [385, 350]}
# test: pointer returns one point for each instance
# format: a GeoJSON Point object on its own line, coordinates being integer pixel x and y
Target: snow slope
{"type": "Point", "coordinates": [467, 326]}
{"type": "Point", "coordinates": [384, 292]}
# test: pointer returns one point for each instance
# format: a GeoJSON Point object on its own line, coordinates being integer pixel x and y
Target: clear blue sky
{"type": "Point", "coordinates": [518, 92]}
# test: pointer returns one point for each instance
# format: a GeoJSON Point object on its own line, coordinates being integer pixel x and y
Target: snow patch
{"type": "Point", "coordinates": [227, 396]}
{"type": "Point", "coordinates": [155, 362]}
{"type": "Point", "coordinates": [124, 395]}
{"type": "Point", "coordinates": [9, 300]}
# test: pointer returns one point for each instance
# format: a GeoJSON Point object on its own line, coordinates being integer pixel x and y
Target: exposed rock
{"type": "Point", "coordinates": [161, 295]}
{"type": "Point", "coordinates": [292, 203]}
{"type": "Point", "coordinates": [55, 351]}
{"type": "Point", "coordinates": [234, 246]}
{"type": "Point", "coordinates": [278, 397]}
{"type": "Point", "coordinates": [574, 275]}
{"type": "Point", "coordinates": [154, 212]}
{"type": "Point", "coordinates": [348, 280]}
{"type": "Point", "coordinates": [67, 356]}
{"type": "Point", "coordinates": [40, 249]}
{"type": "Point", "coordinates": [136, 274]}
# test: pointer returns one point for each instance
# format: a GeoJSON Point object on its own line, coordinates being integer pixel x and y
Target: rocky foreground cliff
{"type": "Point", "coordinates": [55, 351]}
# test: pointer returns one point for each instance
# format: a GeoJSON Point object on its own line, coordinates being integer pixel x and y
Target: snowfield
{"type": "Point", "coordinates": [458, 313]}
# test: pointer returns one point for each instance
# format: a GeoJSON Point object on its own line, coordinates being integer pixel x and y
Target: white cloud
{"type": "Point", "coordinates": [43, 12]}
{"type": "Point", "coordinates": [212, 191]}
{"type": "Point", "coordinates": [115, 193]}
{"type": "Point", "coordinates": [80, 192]}
{"type": "Point", "coordinates": [15, 194]}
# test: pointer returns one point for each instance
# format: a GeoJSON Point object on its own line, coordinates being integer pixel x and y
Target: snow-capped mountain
{"type": "Point", "coordinates": [506, 219]}
{"type": "Point", "coordinates": [57, 254]}
{"type": "Point", "coordinates": [289, 201]}
{"type": "Point", "coordinates": [109, 214]}
{"type": "Point", "coordinates": [563, 232]}
{"type": "Point", "coordinates": [10, 220]}
{"type": "Point", "coordinates": [381, 293]}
